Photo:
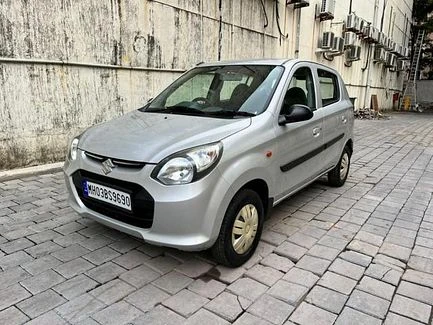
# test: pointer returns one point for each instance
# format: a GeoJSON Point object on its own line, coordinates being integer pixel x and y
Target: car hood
{"type": "Point", "coordinates": [150, 137]}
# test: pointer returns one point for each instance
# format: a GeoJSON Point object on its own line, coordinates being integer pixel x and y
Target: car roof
{"type": "Point", "coordinates": [246, 62]}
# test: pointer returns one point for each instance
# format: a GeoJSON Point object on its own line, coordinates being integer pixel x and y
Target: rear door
{"type": "Point", "coordinates": [298, 159]}
{"type": "Point", "coordinates": [335, 114]}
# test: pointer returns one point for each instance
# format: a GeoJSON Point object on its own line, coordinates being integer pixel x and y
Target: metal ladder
{"type": "Point", "coordinates": [409, 101]}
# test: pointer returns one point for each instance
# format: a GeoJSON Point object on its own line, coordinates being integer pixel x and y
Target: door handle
{"type": "Point", "coordinates": [344, 119]}
{"type": "Point", "coordinates": [316, 131]}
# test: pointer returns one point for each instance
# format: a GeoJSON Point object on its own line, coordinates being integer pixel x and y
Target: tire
{"type": "Point", "coordinates": [337, 176]}
{"type": "Point", "coordinates": [229, 249]}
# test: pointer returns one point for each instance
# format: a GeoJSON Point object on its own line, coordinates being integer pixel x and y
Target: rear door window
{"type": "Point", "coordinates": [329, 87]}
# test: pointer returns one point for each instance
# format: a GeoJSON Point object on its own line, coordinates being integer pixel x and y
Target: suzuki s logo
{"type": "Point", "coordinates": [107, 166]}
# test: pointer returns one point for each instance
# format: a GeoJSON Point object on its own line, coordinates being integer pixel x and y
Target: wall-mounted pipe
{"type": "Point", "coordinates": [85, 64]}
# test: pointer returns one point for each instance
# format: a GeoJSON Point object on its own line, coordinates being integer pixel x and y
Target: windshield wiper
{"type": "Point", "coordinates": [176, 109]}
{"type": "Point", "coordinates": [230, 113]}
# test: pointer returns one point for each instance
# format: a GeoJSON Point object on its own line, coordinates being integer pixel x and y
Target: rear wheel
{"type": "Point", "coordinates": [337, 176]}
{"type": "Point", "coordinates": [241, 229]}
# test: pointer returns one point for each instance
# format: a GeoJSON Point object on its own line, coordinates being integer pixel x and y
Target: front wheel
{"type": "Point", "coordinates": [337, 176]}
{"type": "Point", "coordinates": [240, 230]}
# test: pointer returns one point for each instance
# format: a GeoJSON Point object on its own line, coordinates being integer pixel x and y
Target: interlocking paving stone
{"type": "Point", "coordinates": [313, 264]}
{"type": "Point", "coordinates": [117, 313]}
{"type": "Point", "coordinates": [226, 274]}
{"type": "Point", "coordinates": [172, 282]}
{"type": "Point", "coordinates": [50, 318]}
{"type": "Point", "coordinates": [376, 287]}
{"type": "Point", "coordinates": [225, 305]}
{"type": "Point", "coordinates": [40, 303]}
{"type": "Point", "coordinates": [105, 272]}
{"type": "Point", "coordinates": [194, 268]}
{"type": "Point", "coordinates": [73, 268]}
{"type": "Point", "coordinates": [185, 302]}
{"type": "Point", "coordinates": [112, 291]}
{"type": "Point", "coordinates": [302, 277]}
{"type": "Point", "coordinates": [79, 308]}
{"type": "Point", "coordinates": [12, 276]}
{"type": "Point", "coordinates": [368, 304]}
{"type": "Point", "coordinates": [271, 309]}
{"type": "Point", "coordinates": [131, 259]}
{"type": "Point", "coordinates": [139, 276]}
{"type": "Point", "coordinates": [323, 252]}
{"type": "Point", "coordinates": [418, 277]}
{"type": "Point", "coordinates": [394, 319]}
{"type": "Point", "coordinates": [356, 258]}
{"type": "Point", "coordinates": [399, 252]}
{"type": "Point", "coordinates": [264, 274]}
{"type": "Point", "coordinates": [145, 298]}
{"type": "Point", "coordinates": [327, 299]}
{"type": "Point", "coordinates": [12, 316]}
{"type": "Point", "coordinates": [42, 281]}
{"type": "Point", "coordinates": [11, 295]}
{"type": "Point", "coordinates": [75, 286]}
{"type": "Point", "coordinates": [207, 287]}
{"type": "Point", "coordinates": [352, 316]}
{"type": "Point", "coordinates": [416, 292]}
{"type": "Point", "coordinates": [15, 259]}
{"type": "Point", "coordinates": [164, 316]}
{"type": "Point", "coordinates": [290, 250]}
{"type": "Point", "coordinates": [346, 268]}
{"type": "Point", "coordinates": [250, 319]}
{"type": "Point", "coordinates": [307, 314]}
{"type": "Point", "coordinates": [289, 292]}
{"type": "Point", "coordinates": [411, 308]}
{"type": "Point", "coordinates": [69, 253]}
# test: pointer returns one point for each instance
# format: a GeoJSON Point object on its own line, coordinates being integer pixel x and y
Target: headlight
{"type": "Point", "coordinates": [189, 165]}
{"type": "Point", "coordinates": [74, 148]}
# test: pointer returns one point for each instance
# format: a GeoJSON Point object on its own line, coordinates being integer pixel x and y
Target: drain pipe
{"type": "Point", "coordinates": [367, 90]}
{"type": "Point", "coordinates": [298, 32]}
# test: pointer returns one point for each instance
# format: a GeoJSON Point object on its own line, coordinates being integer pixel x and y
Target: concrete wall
{"type": "Point", "coordinates": [65, 65]}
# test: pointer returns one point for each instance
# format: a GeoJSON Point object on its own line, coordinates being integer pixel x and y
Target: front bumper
{"type": "Point", "coordinates": [186, 217]}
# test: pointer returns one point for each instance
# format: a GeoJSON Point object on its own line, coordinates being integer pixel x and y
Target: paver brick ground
{"type": "Point", "coordinates": [359, 254]}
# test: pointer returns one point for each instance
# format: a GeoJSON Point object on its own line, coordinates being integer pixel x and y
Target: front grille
{"type": "Point", "coordinates": [117, 162]}
{"type": "Point", "coordinates": [142, 203]}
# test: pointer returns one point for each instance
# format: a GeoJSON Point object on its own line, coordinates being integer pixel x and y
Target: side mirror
{"type": "Point", "coordinates": [295, 113]}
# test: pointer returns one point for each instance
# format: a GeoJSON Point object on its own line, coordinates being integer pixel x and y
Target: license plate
{"type": "Point", "coordinates": [107, 194]}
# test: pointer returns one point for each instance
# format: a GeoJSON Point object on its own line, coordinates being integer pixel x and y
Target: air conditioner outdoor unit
{"type": "Point", "coordinates": [362, 24]}
{"type": "Point", "coordinates": [367, 31]}
{"type": "Point", "coordinates": [327, 40]}
{"type": "Point", "coordinates": [352, 23]}
{"type": "Point", "coordinates": [375, 35]}
{"type": "Point", "coordinates": [353, 53]}
{"type": "Point", "coordinates": [338, 45]}
{"type": "Point", "coordinates": [349, 39]}
{"type": "Point", "coordinates": [387, 44]}
{"type": "Point", "coordinates": [379, 55]}
{"type": "Point", "coordinates": [406, 53]}
{"type": "Point", "coordinates": [326, 10]}
{"type": "Point", "coordinates": [400, 51]}
{"type": "Point", "coordinates": [380, 40]}
{"type": "Point", "coordinates": [401, 65]}
{"type": "Point", "coordinates": [390, 60]}
{"type": "Point", "coordinates": [394, 49]}
{"type": "Point", "coordinates": [298, 3]}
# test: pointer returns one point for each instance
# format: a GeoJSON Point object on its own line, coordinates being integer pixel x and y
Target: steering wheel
{"type": "Point", "coordinates": [202, 101]}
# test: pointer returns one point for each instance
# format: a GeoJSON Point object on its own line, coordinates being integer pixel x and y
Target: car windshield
{"type": "Point", "coordinates": [226, 91]}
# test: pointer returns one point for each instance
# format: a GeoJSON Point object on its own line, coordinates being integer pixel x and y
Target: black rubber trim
{"type": "Point", "coordinates": [311, 154]}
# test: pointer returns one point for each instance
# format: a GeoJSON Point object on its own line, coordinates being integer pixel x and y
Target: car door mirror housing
{"type": "Point", "coordinates": [295, 113]}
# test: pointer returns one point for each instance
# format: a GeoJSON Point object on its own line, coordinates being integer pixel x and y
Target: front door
{"type": "Point", "coordinates": [300, 144]}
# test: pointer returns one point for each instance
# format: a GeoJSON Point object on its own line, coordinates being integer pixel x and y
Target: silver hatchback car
{"type": "Point", "coordinates": [201, 165]}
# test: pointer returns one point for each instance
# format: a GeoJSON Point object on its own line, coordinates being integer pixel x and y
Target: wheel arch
{"type": "Point", "coordinates": [261, 188]}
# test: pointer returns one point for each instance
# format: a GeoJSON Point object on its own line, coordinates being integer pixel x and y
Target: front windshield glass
{"type": "Point", "coordinates": [220, 91]}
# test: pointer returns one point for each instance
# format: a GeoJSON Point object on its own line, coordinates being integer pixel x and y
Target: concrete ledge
{"type": "Point", "coordinates": [30, 171]}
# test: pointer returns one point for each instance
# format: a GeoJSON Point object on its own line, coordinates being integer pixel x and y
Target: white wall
{"type": "Point", "coordinates": [65, 65]}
